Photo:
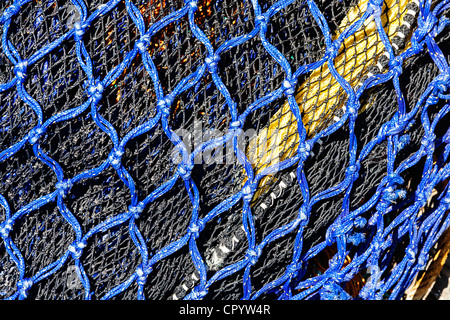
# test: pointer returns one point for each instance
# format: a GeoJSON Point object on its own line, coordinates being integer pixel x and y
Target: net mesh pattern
{"type": "Point", "coordinates": [127, 169]}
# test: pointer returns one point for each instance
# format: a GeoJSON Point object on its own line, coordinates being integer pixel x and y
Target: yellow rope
{"type": "Point", "coordinates": [320, 94]}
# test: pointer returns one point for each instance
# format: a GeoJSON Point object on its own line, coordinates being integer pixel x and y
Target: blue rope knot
{"type": "Point", "coordinates": [396, 65]}
{"type": "Point", "coordinates": [426, 24]}
{"type": "Point", "coordinates": [292, 269]}
{"type": "Point", "coordinates": [375, 5]}
{"type": "Point", "coordinates": [332, 50]}
{"type": "Point", "coordinates": [304, 150]}
{"type": "Point", "coordinates": [352, 111]}
{"type": "Point", "coordinates": [115, 158]}
{"type": "Point", "coordinates": [442, 86]}
{"type": "Point", "coordinates": [79, 30]}
{"type": "Point", "coordinates": [20, 70]}
{"type": "Point", "coordinates": [389, 128]}
{"type": "Point", "coordinates": [5, 228]}
{"type": "Point", "coordinates": [253, 255]}
{"type": "Point", "coordinates": [76, 249]}
{"type": "Point", "coordinates": [63, 186]}
{"type": "Point", "coordinates": [35, 134]}
{"type": "Point", "coordinates": [185, 170]}
{"type": "Point", "coordinates": [96, 90]}
{"type": "Point", "coordinates": [235, 126]}
{"type": "Point", "coordinates": [247, 193]}
{"type": "Point", "coordinates": [342, 228]}
{"type": "Point", "coordinates": [143, 43]}
{"type": "Point", "coordinates": [422, 262]}
{"type": "Point", "coordinates": [136, 210]}
{"type": "Point", "coordinates": [142, 274]}
{"type": "Point", "coordinates": [288, 87]}
{"type": "Point", "coordinates": [261, 22]}
{"type": "Point", "coordinates": [352, 171]}
{"type": "Point", "coordinates": [163, 106]}
{"type": "Point", "coordinates": [303, 213]}
{"type": "Point", "coordinates": [410, 254]}
{"type": "Point", "coordinates": [195, 228]}
{"type": "Point", "coordinates": [23, 286]}
{"type": "Point", "coordinates": [428, 140]}
{"type": "Point", "coordinates": [211, 62]}
{"type": "Point", "coordinates": [12, 10]}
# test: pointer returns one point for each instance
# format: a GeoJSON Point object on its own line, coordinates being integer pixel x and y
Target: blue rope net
{"type": "Point", "coordinates": [97, 208]}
